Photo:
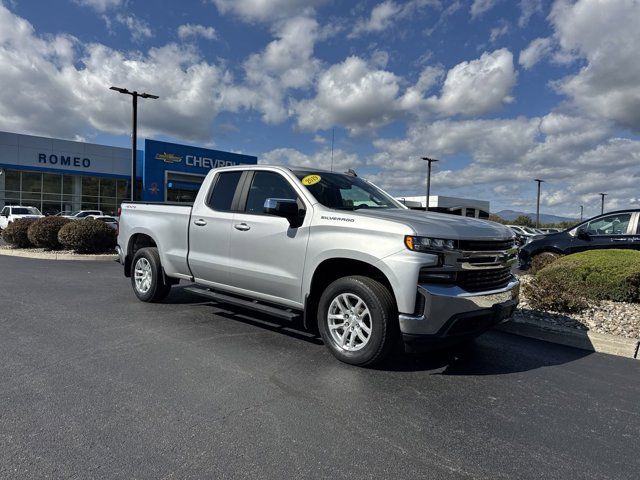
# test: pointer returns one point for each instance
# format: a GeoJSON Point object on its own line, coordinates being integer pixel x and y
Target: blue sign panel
{"type": "Point", "coordinates": [163, 158]}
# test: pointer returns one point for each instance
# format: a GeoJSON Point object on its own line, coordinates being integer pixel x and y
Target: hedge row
{"type": "Point", "coordinates": [571, 283]}
{"type": "Point", "coordinates": [83, 236]}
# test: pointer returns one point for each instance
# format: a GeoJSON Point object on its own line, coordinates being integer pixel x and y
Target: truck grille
{"type": "Point", "coordinates": [483, 280]}
{"type": "Point", "coordinates": [485, 245]}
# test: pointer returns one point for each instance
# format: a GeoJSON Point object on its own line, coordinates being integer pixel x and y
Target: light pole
{"type": "Point", "coordinates": [581, 212]}
{"type": "Point", "coordinates": [538, 202]}
{"type": "Point", "coordinates": [429, 162]}
{"type": "Point", "coordinates": [134, 132]}
{"type": "Point", "coordinates": [602, 204]}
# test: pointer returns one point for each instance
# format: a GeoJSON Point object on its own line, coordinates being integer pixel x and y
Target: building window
{"type": "Point", "coordinates": [52, 193]}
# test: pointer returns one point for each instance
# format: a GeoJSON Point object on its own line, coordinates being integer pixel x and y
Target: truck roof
{"type": "Point", "coordinates": [291, 168]}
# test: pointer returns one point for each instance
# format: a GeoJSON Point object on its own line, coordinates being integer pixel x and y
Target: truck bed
{"type": "Point", "coordinates": [167, 223]}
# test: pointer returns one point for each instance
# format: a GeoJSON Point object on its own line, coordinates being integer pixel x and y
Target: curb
{"type": "Point", "coordinates": [583, 339]}
{"type": "Point", "coordinates": [58, 256]}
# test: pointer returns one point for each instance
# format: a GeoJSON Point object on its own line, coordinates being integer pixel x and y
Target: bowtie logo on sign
{"type": "Point", "coordinates": [168, 157]}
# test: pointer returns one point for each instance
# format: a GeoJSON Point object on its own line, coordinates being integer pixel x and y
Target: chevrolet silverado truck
{"type": "Point", "coordinates": [354, 264]}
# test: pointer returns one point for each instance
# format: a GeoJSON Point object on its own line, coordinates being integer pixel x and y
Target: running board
{"type": "Point", "coordinates": [284, 313]}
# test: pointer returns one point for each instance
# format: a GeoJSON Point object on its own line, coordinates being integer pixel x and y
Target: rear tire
{"type": "Point", "coordinates": [357, 320]}
{"type": "Point", "coordinates": [147, 278]}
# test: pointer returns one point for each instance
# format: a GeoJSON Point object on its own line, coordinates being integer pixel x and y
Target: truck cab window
{"type": "Point", "coordinates": [222, 194]}
{"type": "Point", "coordinates": [267, 185]}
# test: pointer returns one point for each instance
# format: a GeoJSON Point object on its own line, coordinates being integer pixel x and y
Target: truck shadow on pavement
{"type": "Point", "coordinates": [493, 353]}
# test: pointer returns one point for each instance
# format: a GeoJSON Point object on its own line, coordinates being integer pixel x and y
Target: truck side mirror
{"type": "Point", "coordinates": [286, 208]}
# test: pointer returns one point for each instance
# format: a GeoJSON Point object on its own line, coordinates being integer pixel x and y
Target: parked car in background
{"type": "Point", "coordinates": [619, 229]}
{"type": "Point", "coordinates": [83, 214]}
{"type": "Point", "coordinates": [14, 212]}
{"type": "Point", "coordinates": [522, 235]}
{"type": "Point", "coordinates": [550, 230]}
{"type": "Point", "coordinates": [110, 221]}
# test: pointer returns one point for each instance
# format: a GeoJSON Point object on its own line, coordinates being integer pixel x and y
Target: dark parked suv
{"type": "Point", "coordinates": [612, 230]}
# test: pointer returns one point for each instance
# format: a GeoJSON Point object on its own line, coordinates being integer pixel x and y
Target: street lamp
{"type": "Point", "coordinates": [602, 204]}
{"type": "Point", "coordinates": [429, 162]}
{"type": "Point", "coordinates": [134, 132]}
{"type": "Point", "coordinates": [538, 202]}
{"type": "Point", "coordinates": [581, 212]}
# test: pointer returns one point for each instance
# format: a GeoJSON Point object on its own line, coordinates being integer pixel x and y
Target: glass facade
{"type": "Point", "coordinates": [52, 193]}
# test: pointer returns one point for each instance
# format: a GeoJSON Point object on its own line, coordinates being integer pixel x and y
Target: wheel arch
{"type": "Point", "coordinates": [330, 270]}
{"type": "Point", "coordinates": [136, 242]}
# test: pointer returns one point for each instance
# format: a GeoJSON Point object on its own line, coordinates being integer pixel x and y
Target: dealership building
{"type": "Point", "coordinates": [60, 175]}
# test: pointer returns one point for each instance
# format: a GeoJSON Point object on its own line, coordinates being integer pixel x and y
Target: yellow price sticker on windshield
{"type": "Point", "coordinates": [311, 180]}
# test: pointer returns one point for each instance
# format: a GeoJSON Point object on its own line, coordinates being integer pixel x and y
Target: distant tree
{"type": "Point", "coordinates": [495, 218]}
{"type": "Point", "coordinates": [524, 220]}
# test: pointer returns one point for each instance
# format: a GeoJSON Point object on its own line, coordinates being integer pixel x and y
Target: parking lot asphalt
{"type": "Point", "coordinates": [95, 384]}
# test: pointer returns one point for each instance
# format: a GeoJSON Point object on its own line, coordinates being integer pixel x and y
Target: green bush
{"type": "Point", "coordinates": [88, 236]}
{"type": "Point", "coordinates": [569, 283]}
{"type": "Point", "coordinates": [16, 233]}
{"type": "Point", "coordinates": [43, 233]}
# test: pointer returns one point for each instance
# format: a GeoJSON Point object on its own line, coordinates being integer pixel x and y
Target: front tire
{"type": "Point", "coordinates": [146, 276]}
{"type": "Point", "coordinates": [357, 320]}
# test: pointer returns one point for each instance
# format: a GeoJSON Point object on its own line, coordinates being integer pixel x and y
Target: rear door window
{"type": "Point", "coordinates": [221, 198]}
{"type": "Point", "coordinates": [615, 224]}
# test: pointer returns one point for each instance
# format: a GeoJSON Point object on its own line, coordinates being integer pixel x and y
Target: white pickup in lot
{"type": "Point", "coordinates": [13, 212]}
{"type": "Point", "coordinates": [354, 263]}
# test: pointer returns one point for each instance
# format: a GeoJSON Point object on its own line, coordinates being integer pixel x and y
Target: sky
{"type": "Point", "coordinates": [500, 91]}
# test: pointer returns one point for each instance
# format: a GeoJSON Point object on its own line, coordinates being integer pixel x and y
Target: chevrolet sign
{"type": "Point", "coordinates": [168, 157]}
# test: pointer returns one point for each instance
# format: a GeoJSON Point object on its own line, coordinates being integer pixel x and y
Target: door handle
{"type": "Point", "coordinates": [243, 227]}
{"type": "Point", "coordinates": [200, 222]}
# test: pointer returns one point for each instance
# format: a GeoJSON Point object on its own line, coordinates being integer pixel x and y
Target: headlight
{"type": "Point", "coordinates": [428, 244]}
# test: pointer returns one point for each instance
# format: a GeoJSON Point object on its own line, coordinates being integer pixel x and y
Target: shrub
{"type": "Point", "coordinates": [545, 294]}
{"type": "Point", "coordinates": [88, 236]}
{"type": "Point", "coordinates": [567, 284]}
{"type": "Point", "coordinates": [542, 260]}
{"type": "Point", "coordinates": [43, 232]}
{"type": "Point", "coordinates": [16, 233]}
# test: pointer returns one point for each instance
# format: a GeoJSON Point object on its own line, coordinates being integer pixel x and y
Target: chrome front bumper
{"type": "Point", "coordinates": [447, 307]}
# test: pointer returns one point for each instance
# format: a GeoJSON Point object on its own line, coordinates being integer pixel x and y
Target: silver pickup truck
{"type": "Point", "coordinates": [355, 264]}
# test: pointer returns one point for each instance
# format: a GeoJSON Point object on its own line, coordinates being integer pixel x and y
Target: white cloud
{"type": "Point", "coordinates": [267, 10]}
{"type": "Point", "coordinates": [509, 153]}
{"type": "Point", "coordinates": [606, 36]}
{"type": "Point", "coordinates": [499, 31]}
{"type": "Point", "coordinates": [64, 86]}
{"type": "Point", "coordinates": [479, 7]}
{"type": "Point", "coordinates": [535, 51]}
{"type": "Point", "coordinates": [529, 8]}
{"type": "Point", "coordinates": [380, 19]}
{"type": "Point", "coordinates": [478, 86]}
{"type": "Point", "coordinates": [139, 29]}
{"type": "Point", "coordinates": [352, 95]}
{"type": "Point", "coordinates": [360, 97]}
{"type": "Point", "coordinates": [100, 5]}
{"type": "Point", "coordinates": [321, 159]}
{"type": "Point", "coordinates": [285, 63]}
{"type": "Point", "coordinates": [190, 30]}
{"type": "Point", "coordinates": [384, 14]}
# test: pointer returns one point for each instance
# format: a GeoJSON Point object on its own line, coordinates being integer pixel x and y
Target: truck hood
{"type": "Point", "coordinates": [441, 225]}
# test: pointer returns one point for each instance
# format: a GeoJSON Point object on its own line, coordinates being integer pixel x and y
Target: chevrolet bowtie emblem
{"type": "Point", "coordinates": [168, 157]}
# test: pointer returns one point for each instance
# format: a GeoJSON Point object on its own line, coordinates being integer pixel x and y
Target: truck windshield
{"type": "Point", "coordinates": [344, 192]}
